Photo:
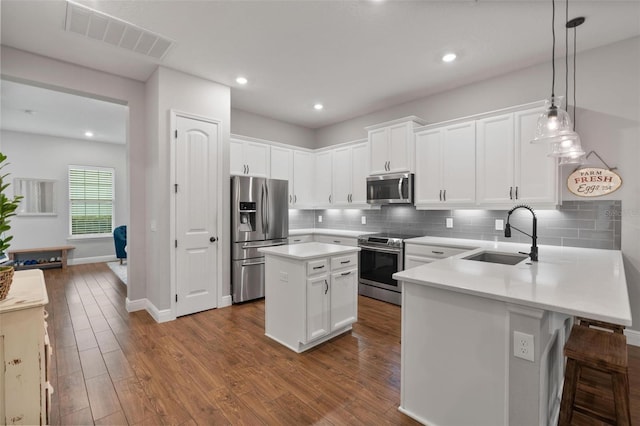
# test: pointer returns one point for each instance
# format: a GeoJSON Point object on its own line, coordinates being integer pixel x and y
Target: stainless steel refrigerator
{"type": "Point", "coordinates": [259, 218]}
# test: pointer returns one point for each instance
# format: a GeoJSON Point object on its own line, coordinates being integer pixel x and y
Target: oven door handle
{"type": "Point", "coordinates": [380, 249]}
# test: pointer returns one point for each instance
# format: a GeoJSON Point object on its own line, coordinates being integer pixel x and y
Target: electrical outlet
{"type": "Point", "coordinates": [363, 220]}
{"type": "Point", "coordinates": [523, 346]}
{"type": "Point", "coordinates": [319, 218]}
{"type": "Point", "coordinates": [449, 222]}
{"type": "Point", "coordinates": [499, 224]}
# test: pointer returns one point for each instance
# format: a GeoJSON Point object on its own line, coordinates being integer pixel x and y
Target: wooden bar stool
{"type": "Point", "coordinates": [596, 381]}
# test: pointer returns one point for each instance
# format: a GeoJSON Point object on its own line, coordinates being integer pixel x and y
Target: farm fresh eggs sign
{"type": "Point", "coordinates": [593, 182]}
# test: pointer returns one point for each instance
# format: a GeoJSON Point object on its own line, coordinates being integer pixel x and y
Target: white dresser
{"type": "Point", "coordinates": [25, 352]}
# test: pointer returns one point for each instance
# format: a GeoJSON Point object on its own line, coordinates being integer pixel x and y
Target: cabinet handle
{"type": "Point", "coordinates": [337, 241]}
{"type": "Point", "coordinates": [247, 169]}
{"type": "Point", "coordinates": [345, 273]}
{"type": "Point", "coordinates": [290, 198]}
{"type": "Point", "coordinates": [437, 252]}
{"type": "Point", "coordinates": [329, 199]}
{"type": "Point", "coordinates": [295, 198]}
{"type": "Point", "coordinates": [511, 192]}
{"type": "Point", "coordinates": [318, 267]}
{"type": "Point", "coordinates": [441, 195]}
{"type": "Point", "coordinates": [516, 192]}
{"type": "Point", "coordinates": [444, 195]}
{"type": "Point", "coordinates": [326, 286]}
{"type": "Point", "coordinates": [296, 241]}
{"type": "Point", "coordinates": [345, 262]}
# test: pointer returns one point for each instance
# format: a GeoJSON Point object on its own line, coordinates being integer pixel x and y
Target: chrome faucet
{"type": "Point", "coordinates": [534, 246]}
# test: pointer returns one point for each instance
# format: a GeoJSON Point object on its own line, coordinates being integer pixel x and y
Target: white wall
{"type": "Point", "coordinates": [257, 126]}
{"type": "Point", "coordinates": [29, 68]}
{"type": "Point", "coordinates": [173, 90]}
{"type": "Point", "coordinates": [48, 157]}
{"type": "Point", "coordinates": [608, 121]}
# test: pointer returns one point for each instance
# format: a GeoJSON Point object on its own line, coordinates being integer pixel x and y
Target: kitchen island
{"type": "Point", "coordinates": [311, 293]}
{"type": "Point", "coordinates": [461, 321]}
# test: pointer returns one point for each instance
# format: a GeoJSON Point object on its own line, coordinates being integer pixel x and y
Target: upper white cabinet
{"type": "Point", "coordinates": [445, 166]}
{"type": "Point", "coordinates": [350, 171]}
{"type": "Point", "coordinates": [249, 158]}
{"type": "Point", "coordinates": [303, 176]}
{"type": "Point", "coordinates": [512, 170]}
{"type": "Point", "coordinates": [324, 178]}
{"type": "Point", "coordinates": [392, 145]}
{"type": "Point", "coordinates": [282, 167]}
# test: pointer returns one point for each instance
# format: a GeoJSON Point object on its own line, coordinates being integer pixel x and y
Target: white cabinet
{"type": "Point", "coordinates": [333, 239]}
{"type": "Point", "coordinates": [297, 239]}
{"type": "Point", "coordinates": [249, 158]}
{"type": "Point", "coordinates": [324, 178]}
{"type": "Point", "coordinates": [350, 171]}
{"type": "Point", "coordinates": [282, 167]}
{"type": "Point", "coordinates": [510, 169]}
{"type": "Point", "coordinates": [25, 353]}
{"type": "Point", "coordinates": [420, 254]}
{"type": "Point", "coordinates": [303, 176]}
{"type": "Point", "coordinates": [309, 301]}
{"type": "Point", "coordinates": [392, 145]}
{"type": "Point", "coordinates": [445, 166]}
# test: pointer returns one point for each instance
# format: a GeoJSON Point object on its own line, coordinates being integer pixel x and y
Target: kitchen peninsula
{"type": "Point", "coordinates": [459, 316]}
{"type": "Point", "coordinates": [311, 293]}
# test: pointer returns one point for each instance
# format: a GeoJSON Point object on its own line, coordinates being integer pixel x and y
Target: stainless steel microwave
{"type": "Point", "coordinates": [394, 188]}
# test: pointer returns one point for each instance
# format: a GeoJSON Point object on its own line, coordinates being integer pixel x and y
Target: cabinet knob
{"type": "Point", "coordinates": [213, 239]}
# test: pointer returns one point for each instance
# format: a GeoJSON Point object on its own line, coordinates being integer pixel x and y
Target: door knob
{"type": "Point", "coordinates": [213, 239]}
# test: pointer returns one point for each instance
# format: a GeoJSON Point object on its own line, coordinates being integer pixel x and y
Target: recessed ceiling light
{"type": "Point", "coordinates": [449, 57]}
{"type": "Point", "coordinates": [88, 134]}
{"type": "Point", "coordinates": [241, 80]}
{"type": "Point", "coordinates": [318, 107]}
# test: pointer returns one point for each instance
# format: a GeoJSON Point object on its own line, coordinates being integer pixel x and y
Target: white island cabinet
{"type": "Point", "coordinates": [311, 293]}
{"type": "Point", "coordinates": [462, 320]}
{"type": "Point", "coordinates": [25, 393]}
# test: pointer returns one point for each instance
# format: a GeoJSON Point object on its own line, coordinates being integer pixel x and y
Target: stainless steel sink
{"type": "Point", "coordinates": [497, 257]}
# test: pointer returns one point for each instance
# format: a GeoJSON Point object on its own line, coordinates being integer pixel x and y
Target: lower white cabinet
{"type": "Point", "coordinates": [25, 392]}
{"type": "Point", "coordinates": [332, 239]}
{"type": "Point", "coordinates": [297, 239]}
{"type": "Point", "coordinates": [309, 301]}
{"type": "Point", "coordinates": [421, 254]}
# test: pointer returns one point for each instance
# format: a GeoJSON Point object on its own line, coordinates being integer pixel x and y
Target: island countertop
{"type": "Point", "coordinates": [306, 251]}
{"type": "Point", "coordinates": [574, 281]}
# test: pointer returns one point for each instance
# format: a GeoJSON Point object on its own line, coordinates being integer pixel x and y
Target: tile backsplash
{"type": "Point", "coordinates": [591, 224]}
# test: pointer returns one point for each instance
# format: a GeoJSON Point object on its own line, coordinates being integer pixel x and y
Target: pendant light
{"type": "Point", "coordinates": [554, 122]}
{"type": "Point", "coordinates": [568, 147]}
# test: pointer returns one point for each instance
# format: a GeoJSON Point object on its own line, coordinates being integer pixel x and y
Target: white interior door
{"type": "Point", "coordinates": [196, 215]}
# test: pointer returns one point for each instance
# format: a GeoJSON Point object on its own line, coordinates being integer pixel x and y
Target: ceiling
{"type": "Point", "coordinates": [355, 57]}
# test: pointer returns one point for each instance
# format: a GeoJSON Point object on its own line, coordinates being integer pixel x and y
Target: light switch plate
{"type": "Point", "coordinates": [363, 220]}
{"type": "Point", "coordinates": [499, 225]}
{"type": "Point", "coordinates": [449, 222]}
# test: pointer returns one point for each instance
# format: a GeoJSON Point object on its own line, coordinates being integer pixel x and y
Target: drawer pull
{"type": "Point", "coordinates": [337, 241]}
{"type": "Point", "coordinates": [345, 262]}
{"type": "Point", "coordinates": [345, 273]}
{"type": "Point", "coordinates": [318, 267]}
{"type": "Point", "coordinates": [437, 252]}
{"type": "Point", "coordinates": [296, 241]}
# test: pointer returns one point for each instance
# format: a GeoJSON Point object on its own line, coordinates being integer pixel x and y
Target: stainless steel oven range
{"type": "Point", "coordinates": [381, 256]}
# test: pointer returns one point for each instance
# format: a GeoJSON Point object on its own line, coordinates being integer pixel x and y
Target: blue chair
{"type": "Point", "coordinates": [120, 240]}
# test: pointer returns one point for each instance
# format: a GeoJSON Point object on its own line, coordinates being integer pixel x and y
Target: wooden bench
{"type": "Point", "coordinates": [60, 251]}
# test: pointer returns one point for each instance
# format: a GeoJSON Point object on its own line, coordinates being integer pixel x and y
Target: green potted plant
{"type": "Point", "coordinates": [8, 208]}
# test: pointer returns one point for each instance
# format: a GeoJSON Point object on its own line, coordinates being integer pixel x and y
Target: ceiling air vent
{"type": "Point", "coordinates": [116, 32]}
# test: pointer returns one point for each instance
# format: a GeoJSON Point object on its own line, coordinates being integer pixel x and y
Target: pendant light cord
{"type": "Point", "coordinates": [553, 50]}
{"type": "Point", "coordinates": [566, 55]}
{"type": "Point", "coordinates": [574, 78]}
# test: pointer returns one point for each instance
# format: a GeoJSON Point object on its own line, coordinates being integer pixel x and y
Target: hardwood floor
{"type": "Point", "coordinates": [217, 367]}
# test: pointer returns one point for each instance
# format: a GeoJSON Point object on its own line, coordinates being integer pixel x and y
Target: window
{"type": "Point", "coordinates": [90, 201]}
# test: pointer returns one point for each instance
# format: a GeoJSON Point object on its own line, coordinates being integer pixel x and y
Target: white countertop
{"type": "Point", "coordinates": [322, 231]}
{"type": "Point", "coordinates": [306, 251]}
{"type": "Point", "coordinates": [574, 281]}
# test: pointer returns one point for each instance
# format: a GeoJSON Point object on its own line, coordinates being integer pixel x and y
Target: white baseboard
{"type": "Point", "coordinates": [225, 301]}
{"type": "Point", "coordinates": [633, 337]}
{"type": "Point", "coordinates": [160, 315]}
{"type": "Point", "coordinates": [94, 259]}
{"type": "Point", "coordinates": [135, 305]}
{"type": "Point", "coordinates": [163, 315]}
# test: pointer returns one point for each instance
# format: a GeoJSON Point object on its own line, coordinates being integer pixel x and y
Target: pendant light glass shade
{"type": "Point", "coordinates": [553, 123]}
{"type": "Point", "coordinates": [567, 146]}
